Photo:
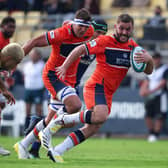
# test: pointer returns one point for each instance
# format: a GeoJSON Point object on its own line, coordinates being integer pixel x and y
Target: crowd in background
{"type": "Point", "coordinates": [50, 6]}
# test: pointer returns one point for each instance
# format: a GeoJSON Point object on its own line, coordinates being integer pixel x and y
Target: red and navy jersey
{"type": "Point", "coordinates": [84, 63]}
{"type": "Point", "coordinates": [113, 61]}
{"type": "Point", "coordinates": [3, 41]}
{"type": "Point", "coordinates": [63, 41]}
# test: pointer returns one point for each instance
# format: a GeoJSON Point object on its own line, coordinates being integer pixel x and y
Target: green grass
{"type": "Point", "coordinates": [97, 153]}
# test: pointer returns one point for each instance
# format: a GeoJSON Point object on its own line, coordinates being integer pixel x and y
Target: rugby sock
{"type": "Point", "coordinates": [33, 135]}
{"type": "Point", "coordinates": [80, 117]}
{"type": "Point", "coordinates": [72, 140]}
{"type": "Point", "coordinates": [36, 146]}
{"type": "Point", "coordinates": [52, 127]}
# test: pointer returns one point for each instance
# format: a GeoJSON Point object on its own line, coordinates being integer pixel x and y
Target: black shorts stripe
{"type": "Point", "coordinates": [100, 95]}
{"type": "Point", "coordinates": [55, 82]}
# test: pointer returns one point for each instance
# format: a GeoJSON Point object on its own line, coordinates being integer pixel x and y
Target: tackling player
{"type": "Point", "coordinates": [113, 61]}
{"type": "Point", "coordinates": [7, 29]}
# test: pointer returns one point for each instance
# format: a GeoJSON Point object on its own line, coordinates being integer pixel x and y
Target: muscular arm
{"type": "Point", "coordinates": [77, 52]}
{"type": "Point", "coordinates": [39, 41]}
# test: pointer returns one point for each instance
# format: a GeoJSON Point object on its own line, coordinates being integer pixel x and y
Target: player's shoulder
{"type": "Point", "coordinates": [104, 39]}
{"type": "Point", "coordinates": [132, 42]}
{"type": "Point", "coordinates": [63, 32]}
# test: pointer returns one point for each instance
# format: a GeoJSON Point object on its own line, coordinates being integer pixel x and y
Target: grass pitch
{"type": "Point", "coordinates": [96, 153]}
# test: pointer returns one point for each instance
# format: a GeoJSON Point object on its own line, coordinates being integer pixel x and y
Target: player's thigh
{"type": "Point", "coordinates": [95, 98]}
{"type": "Point", "coordinates": [52, 83]}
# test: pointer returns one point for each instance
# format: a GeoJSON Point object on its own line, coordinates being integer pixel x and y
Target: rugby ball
{"type": "Point", "coordinates": [138, 67]}
{"type": "Point", "coordinates": [14, 50]}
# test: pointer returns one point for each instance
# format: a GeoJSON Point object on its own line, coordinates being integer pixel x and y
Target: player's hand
{"type": "Point", "coordinates": [142, 57]}
{"type": "Point", "coordinates": [10, 98]}
{"type": "Point", "coordinates": [61, 71]}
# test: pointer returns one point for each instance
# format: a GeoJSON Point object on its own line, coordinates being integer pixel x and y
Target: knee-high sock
{"type": "Point", "coordinates": [33, 135]}
{"type": "Point", "coordinates": [79, 117]}
{"type": "Point", "coordinates": [73, 139]}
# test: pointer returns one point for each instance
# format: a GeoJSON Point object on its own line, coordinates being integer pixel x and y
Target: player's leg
{"type": "Point", "coordinates": [72, 104]}
{"type": "Point", "coordinates": [160, 114]}
{"type": "Point", "coordinates": [3, 151]}
{"type": "Point", "coordinates": [34, 151]}
{"type": "Point", "coordinates": [28, 102]}
{"type": "Point", "coordinates": [95, 118]}
{"type": "Point", "coordinates": [37, 100]}
{"type": "Point", "coordinates": [73, 139]}
{"type": "Point", "coordinates": [67, 95]}
{"type": "Point", "coordinates": [94, 97]}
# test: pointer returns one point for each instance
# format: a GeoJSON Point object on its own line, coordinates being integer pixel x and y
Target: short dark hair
{"type": "Point", "coordinates": [126, 18]}
{"type": "Point", "coordinates": [7, 20]}
{"type": "Point", "coordinates": [83, 14]}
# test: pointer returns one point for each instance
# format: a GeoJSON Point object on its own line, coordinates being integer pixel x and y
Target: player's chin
{"type": "Point", "coordinates": [81, 34]}
{"type": "Point", "coordinates": [123, 39]}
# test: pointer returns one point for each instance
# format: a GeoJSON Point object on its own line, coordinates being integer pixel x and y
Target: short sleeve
{"type": "Point", "coordinates": [57, 35]}
{"type": "Point", "coordinates": [96, 46]}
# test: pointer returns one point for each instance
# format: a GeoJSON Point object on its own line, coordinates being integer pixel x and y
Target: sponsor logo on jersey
{"type": "Point", "coordinates": [92, 43]}
{"type": "Point", "coordinates": [52, 34]}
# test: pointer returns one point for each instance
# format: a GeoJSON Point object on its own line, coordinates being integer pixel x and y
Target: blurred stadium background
{"type": "Point", "coordinates": [127, 115]}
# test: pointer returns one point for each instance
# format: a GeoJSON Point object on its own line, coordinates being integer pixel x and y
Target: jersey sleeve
{"type": "Point", "coordinates": [56, 36]}
{"type": "Point", "coordinates": [95, 46]}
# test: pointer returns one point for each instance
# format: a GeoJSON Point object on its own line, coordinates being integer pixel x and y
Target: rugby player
{"type": "Point", "coordinates": [113, 61]}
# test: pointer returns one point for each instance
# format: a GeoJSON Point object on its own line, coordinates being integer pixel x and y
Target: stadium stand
{"type": "Point", "coordinates": [3, 14]}
{"type": "Point", "coordinates": [20, 17]}
{"type": "Point", "coordinates": [33, 18]}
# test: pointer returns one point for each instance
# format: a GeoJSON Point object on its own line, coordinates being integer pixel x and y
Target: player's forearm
{"type": "Point", "coordinates": [35, 42]}
{"type": "Point", "coordinates": [149, 67]}
{"type": "Point", "coordinates": [74, 55]}
{"type": "Point", "coordinates": [2, 86]}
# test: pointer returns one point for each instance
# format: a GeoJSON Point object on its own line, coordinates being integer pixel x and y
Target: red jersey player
{"type": "Point", "coordinates": [113, 61]}
{"type": "Point", "coordinates": [62, 40]}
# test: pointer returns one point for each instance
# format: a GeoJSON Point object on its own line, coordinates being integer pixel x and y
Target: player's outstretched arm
{"type": "Point", "coordinates": [40, 41]}
{"type": "Point", "coordinates": [76, 53]}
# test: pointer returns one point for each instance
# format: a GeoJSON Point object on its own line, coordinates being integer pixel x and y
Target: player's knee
{"type": "Point", "coordinates": [73, 104]}
{"type": "Point", "coordinates": [100, 115]}
{"type": "Point", "coordinates": [101, 119]}
{"type": "Point", "coordinates": [73, 107]}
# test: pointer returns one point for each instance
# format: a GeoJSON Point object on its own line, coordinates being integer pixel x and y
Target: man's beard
{"type": "Point", "coordinates": [117, 36]}
{"type": "Point", "coordinates": [7, 34]}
